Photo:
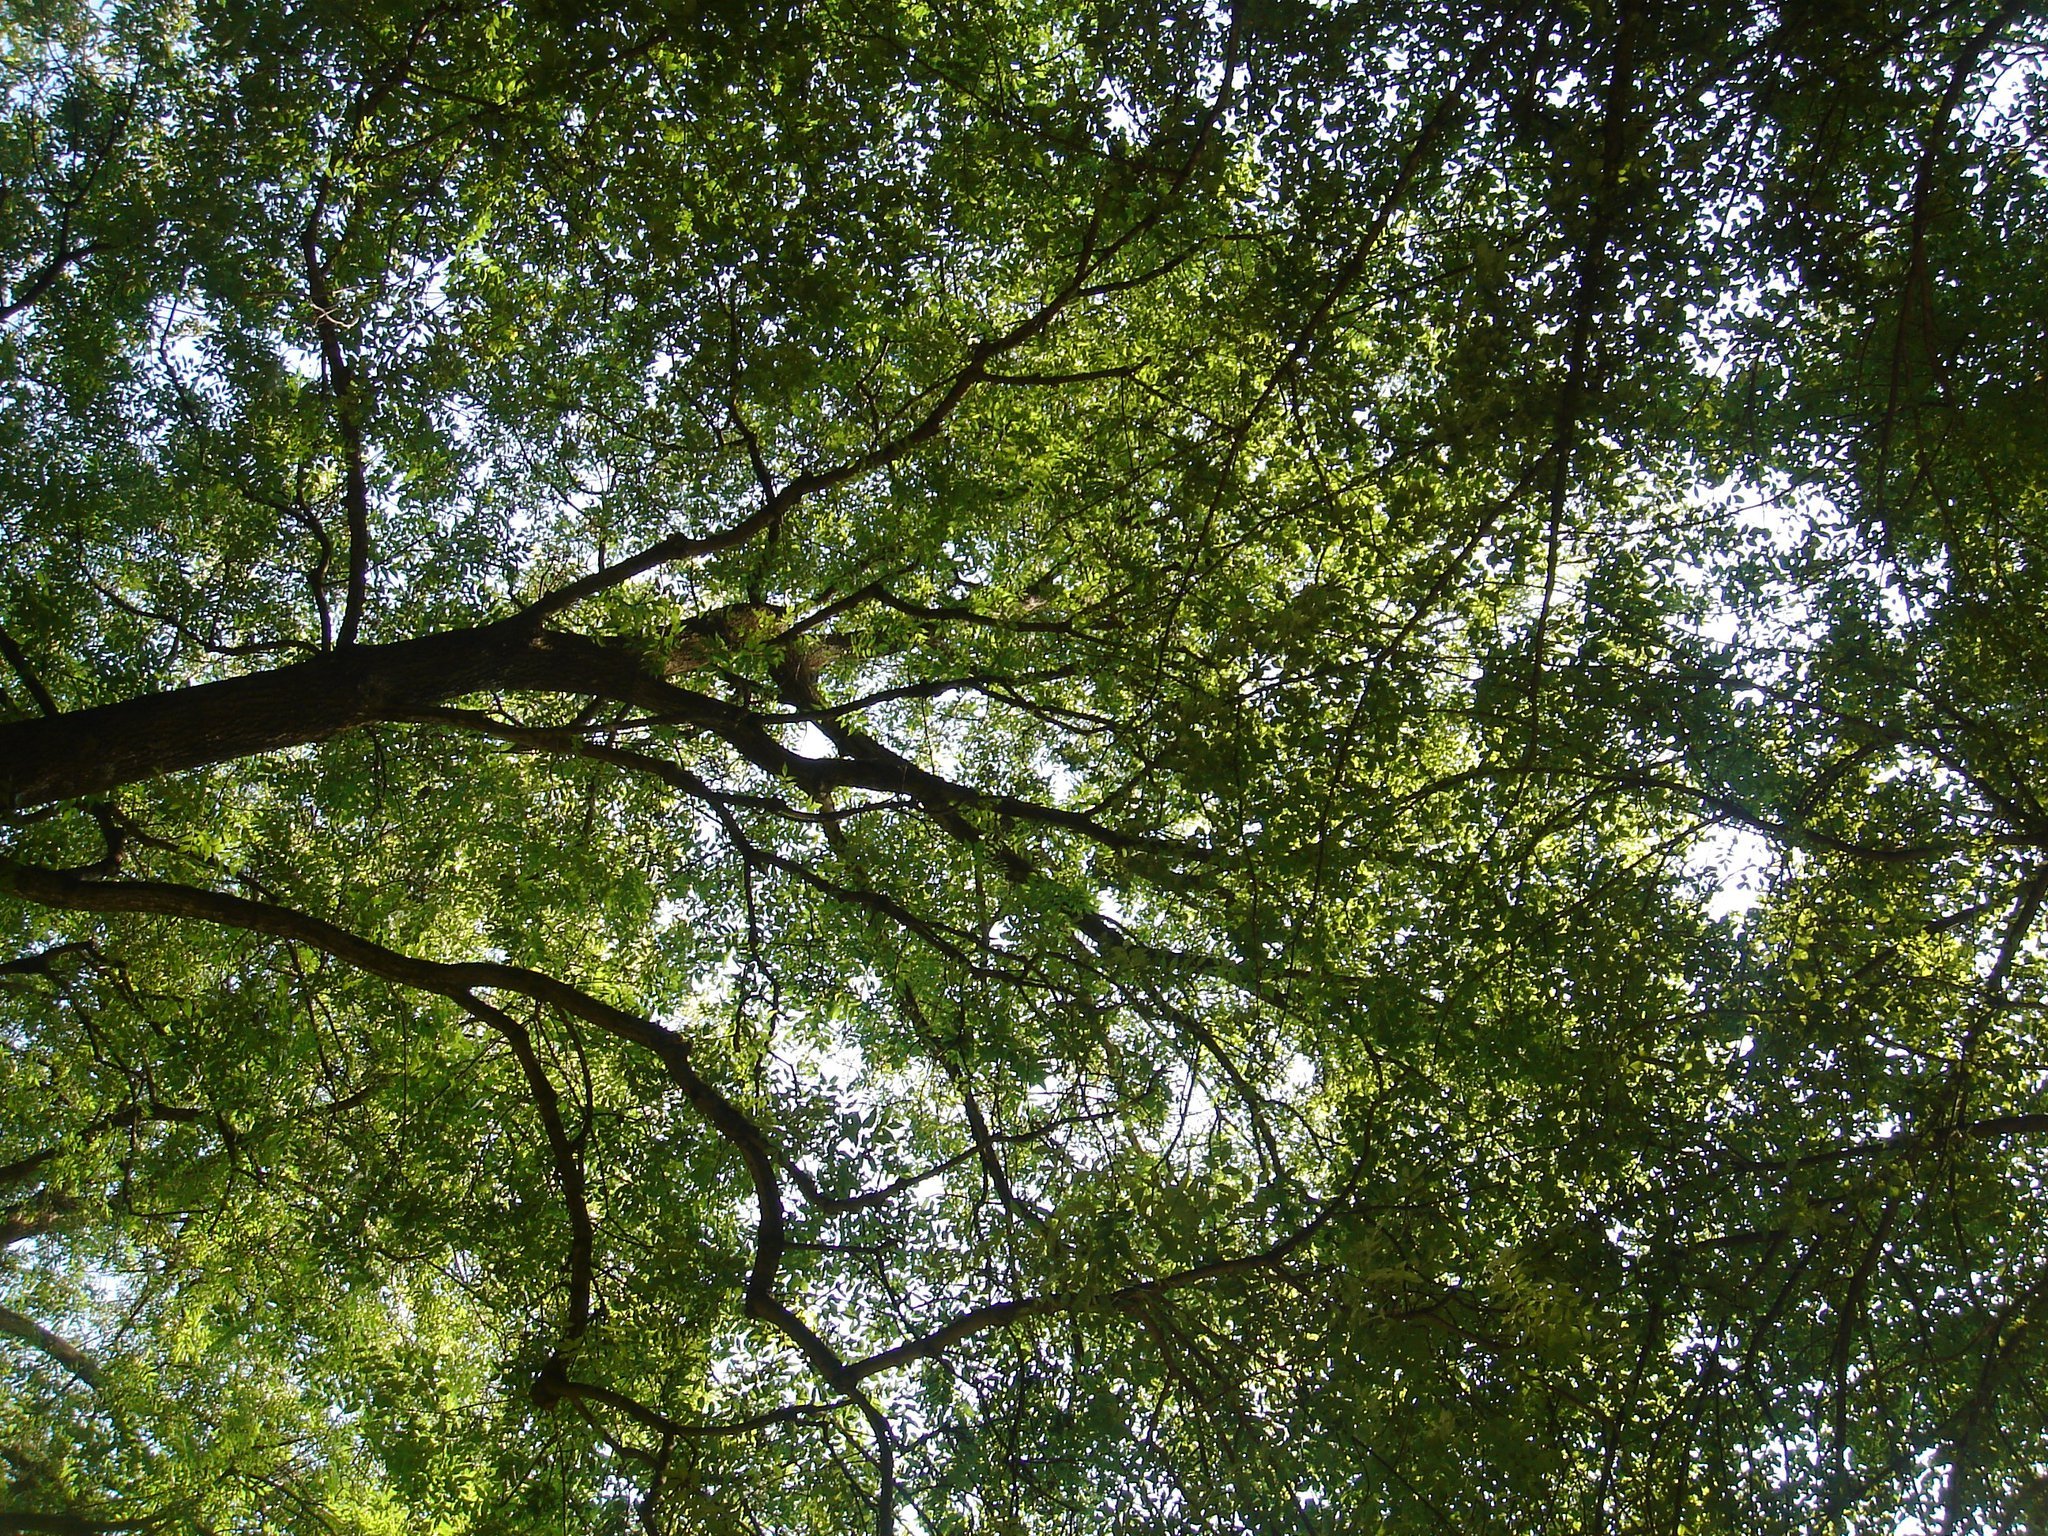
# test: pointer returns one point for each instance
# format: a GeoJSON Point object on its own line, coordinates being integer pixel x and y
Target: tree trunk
{"type": "Point", "coordinates": [92, 751]}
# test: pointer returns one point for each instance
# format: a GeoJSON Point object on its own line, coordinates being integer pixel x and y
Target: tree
{"type": "Point", "coordinates": [984, 769]}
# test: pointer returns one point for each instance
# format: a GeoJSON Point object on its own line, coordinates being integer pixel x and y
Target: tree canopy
{"type": "Point", "coordinates": [1023, 767]}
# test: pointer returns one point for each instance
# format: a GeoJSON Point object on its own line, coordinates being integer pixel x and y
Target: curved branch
{"type": "Point", "coordinates": [568, 1164]}
{"type": "Point", "coordinates": [458, 981]}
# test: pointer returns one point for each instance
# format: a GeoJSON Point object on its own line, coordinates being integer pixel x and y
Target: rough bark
{"type": "Point", "coordinates": [92, 751]}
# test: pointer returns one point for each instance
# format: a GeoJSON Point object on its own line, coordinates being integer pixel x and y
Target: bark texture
{"type": "Point", "coordinates": [92, 751]}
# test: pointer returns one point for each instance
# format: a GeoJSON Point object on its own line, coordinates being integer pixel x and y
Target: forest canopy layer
{"type": "Point", "coordinates": [1023, 767]}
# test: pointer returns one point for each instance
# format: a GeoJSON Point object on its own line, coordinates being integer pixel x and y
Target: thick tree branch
{"type": "Point", "coordinates": [46, 1212]}
{"type": "Point", "coordinates": [57, 1347]}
